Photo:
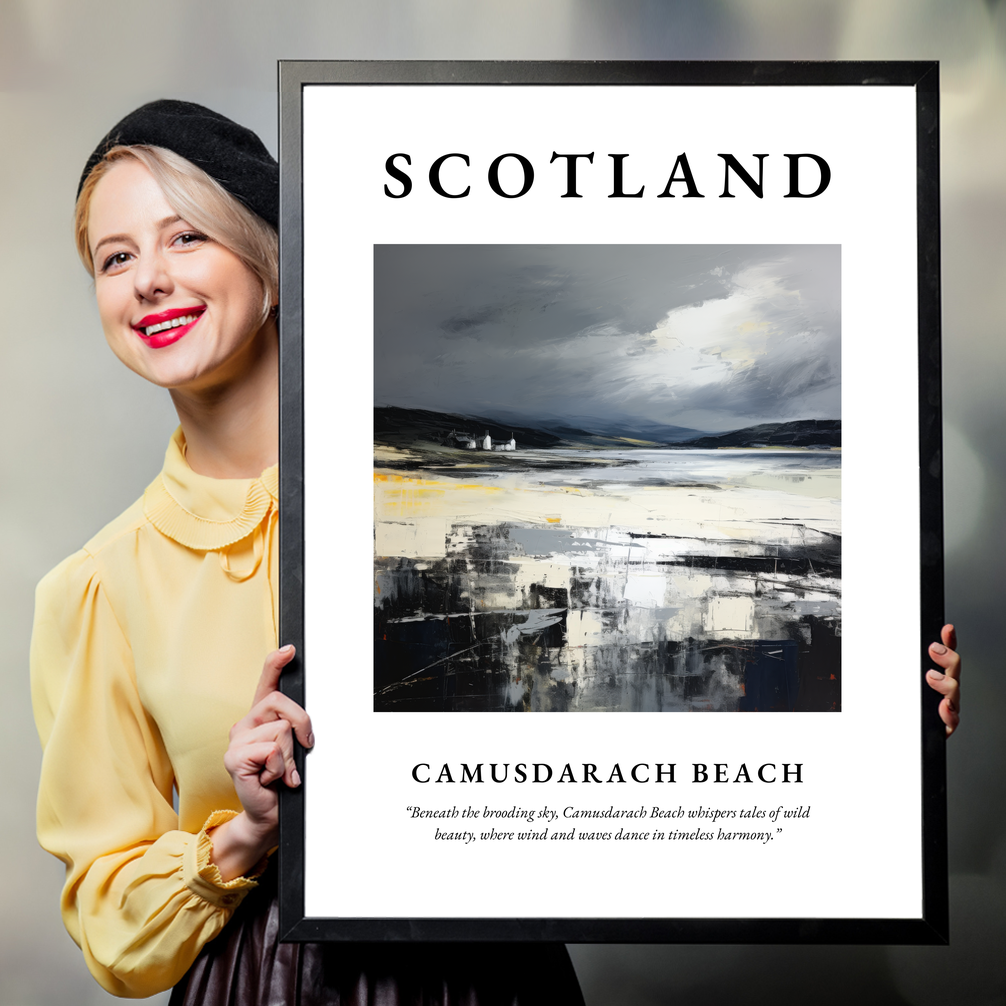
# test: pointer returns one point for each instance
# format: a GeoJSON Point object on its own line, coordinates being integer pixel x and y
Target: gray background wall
{"type": "Point", "coordinates": [82, 436]}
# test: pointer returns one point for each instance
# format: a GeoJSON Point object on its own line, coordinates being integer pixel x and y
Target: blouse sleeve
{"type": "Point", "coordinates": [141, 898]}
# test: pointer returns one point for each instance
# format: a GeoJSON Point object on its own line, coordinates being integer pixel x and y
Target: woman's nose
{"type": "Point", "coordinates": [152, 277]}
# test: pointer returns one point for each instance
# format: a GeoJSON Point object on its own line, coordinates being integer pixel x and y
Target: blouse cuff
{"type": "Point", "coordinates": [202, 876]}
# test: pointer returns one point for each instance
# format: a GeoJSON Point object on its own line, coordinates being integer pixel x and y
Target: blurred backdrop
{"type": "Point", "coordinates": [82, 437]}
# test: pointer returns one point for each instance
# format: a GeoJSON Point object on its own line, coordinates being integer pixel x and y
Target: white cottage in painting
{"type": "Point", "coordinates": [467, 442]}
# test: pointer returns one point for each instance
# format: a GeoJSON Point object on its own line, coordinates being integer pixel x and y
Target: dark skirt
{"type": "Point", "coordinates": [246, 965]}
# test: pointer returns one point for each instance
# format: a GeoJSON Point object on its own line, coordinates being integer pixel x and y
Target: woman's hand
{"type": "Point", "coordinates": [947, 682]}
{"type": "Point", "coordinates": [260, 753]}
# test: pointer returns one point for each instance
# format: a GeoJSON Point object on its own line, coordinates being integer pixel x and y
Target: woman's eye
{"type": "Point", "coordinates": [114, 261]}
{"type": "Point", "coordinates": [190, 238]}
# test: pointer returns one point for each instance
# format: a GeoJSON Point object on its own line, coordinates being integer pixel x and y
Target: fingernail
{"type": "Point", "coordinates": [287, 649]}
{"type": "Point", "coordinates": [938, 648]}
{"type": "Point", "coordinates": [310, 740]}
{"type": "Point", "coordinates": [295, 777]}
{"type": "Point", "coordinates": [936, 675]}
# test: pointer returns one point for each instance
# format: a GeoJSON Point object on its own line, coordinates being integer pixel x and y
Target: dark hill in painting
{"type": "Point", "coordinates": [802, 433]}
{"type": "Point", "coordinates": [614, 434]}
{"type": "Point", "coordinates": [401, 427]}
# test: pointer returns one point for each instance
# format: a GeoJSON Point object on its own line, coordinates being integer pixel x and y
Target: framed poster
{"type": "Point", "coordinates": [611, 501]}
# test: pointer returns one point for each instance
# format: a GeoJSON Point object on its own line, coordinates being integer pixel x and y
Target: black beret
{"type": "Point", "coordinates": [231, 154]}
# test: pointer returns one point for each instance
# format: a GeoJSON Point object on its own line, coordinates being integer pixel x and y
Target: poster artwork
{"type": "Point", "coordinates": [607, 477]}
{"type": "Point", "coordinates": [633, 451]}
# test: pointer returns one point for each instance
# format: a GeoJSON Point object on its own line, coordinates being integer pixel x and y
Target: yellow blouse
{"type": "Point", "coordinates": [147, 647]}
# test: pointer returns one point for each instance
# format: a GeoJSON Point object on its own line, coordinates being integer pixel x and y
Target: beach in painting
{"type": "Point", "coordinates": [608, 580]}
{"type": "Point", "coordinates": [607, 478]}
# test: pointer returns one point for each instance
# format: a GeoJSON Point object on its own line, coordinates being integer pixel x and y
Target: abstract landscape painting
{"type": "Point", "coordinates": [607, 478]}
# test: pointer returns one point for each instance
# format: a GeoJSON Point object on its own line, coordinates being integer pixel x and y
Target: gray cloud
{"type": "Point", "coordinates": [707, 336]}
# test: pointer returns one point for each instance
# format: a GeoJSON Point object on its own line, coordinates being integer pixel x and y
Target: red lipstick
{"type": "Point", "coordinates": [166, 325]}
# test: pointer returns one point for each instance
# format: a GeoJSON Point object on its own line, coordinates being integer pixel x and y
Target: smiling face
{"type": "Point", "coordinates": [177, 307]}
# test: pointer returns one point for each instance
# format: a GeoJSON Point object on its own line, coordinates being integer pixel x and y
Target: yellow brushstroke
{"type": "Point", "coordinates": [414, 515]}
{"type": "Point", "coordinates": [408, 480]}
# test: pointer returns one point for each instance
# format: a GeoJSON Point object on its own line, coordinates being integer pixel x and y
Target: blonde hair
{"type": "Point", "coordinates": [199, 200]}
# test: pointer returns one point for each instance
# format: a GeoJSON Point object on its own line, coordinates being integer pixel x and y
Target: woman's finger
{"type": "Point", "coordinates": [949, 711]}
{"type": "Point", "coordinates": [271, 671]}
{"type": "Point", "coordinates": [949, 687]}
{"type": "Point", "coordinates": [277, 706]}
{"type": "Point", "coordinates": [273, 766]}
{"type": "Point", "coordinates": [261, 760]}
{"type": "Point", "coordinates": [948, 659]}
{"type": "Point", "coordinates": [278, 732]}
{"type": "Point", "coordinates": [950, 716]}
{"type": "Point", "coordinates": [949, 636]}
{"type": "Point", "coordinates": [947, 681]}
{"type": "Point", "coordinates": [945, 685]}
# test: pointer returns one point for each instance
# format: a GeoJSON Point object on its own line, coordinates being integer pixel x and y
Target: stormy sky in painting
{"type": "Point", "coordinates": [701, 336]}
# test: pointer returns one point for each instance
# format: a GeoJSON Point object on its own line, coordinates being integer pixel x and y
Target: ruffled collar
{"type": "Point", "coordinates": [203, 513]}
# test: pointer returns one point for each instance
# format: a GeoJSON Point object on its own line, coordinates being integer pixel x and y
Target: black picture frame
{"type": "Point", "coordinates": [931, 925]}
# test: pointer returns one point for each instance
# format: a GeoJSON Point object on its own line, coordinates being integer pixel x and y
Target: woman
{"type": "Point", "coordinates": [148, 643]}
